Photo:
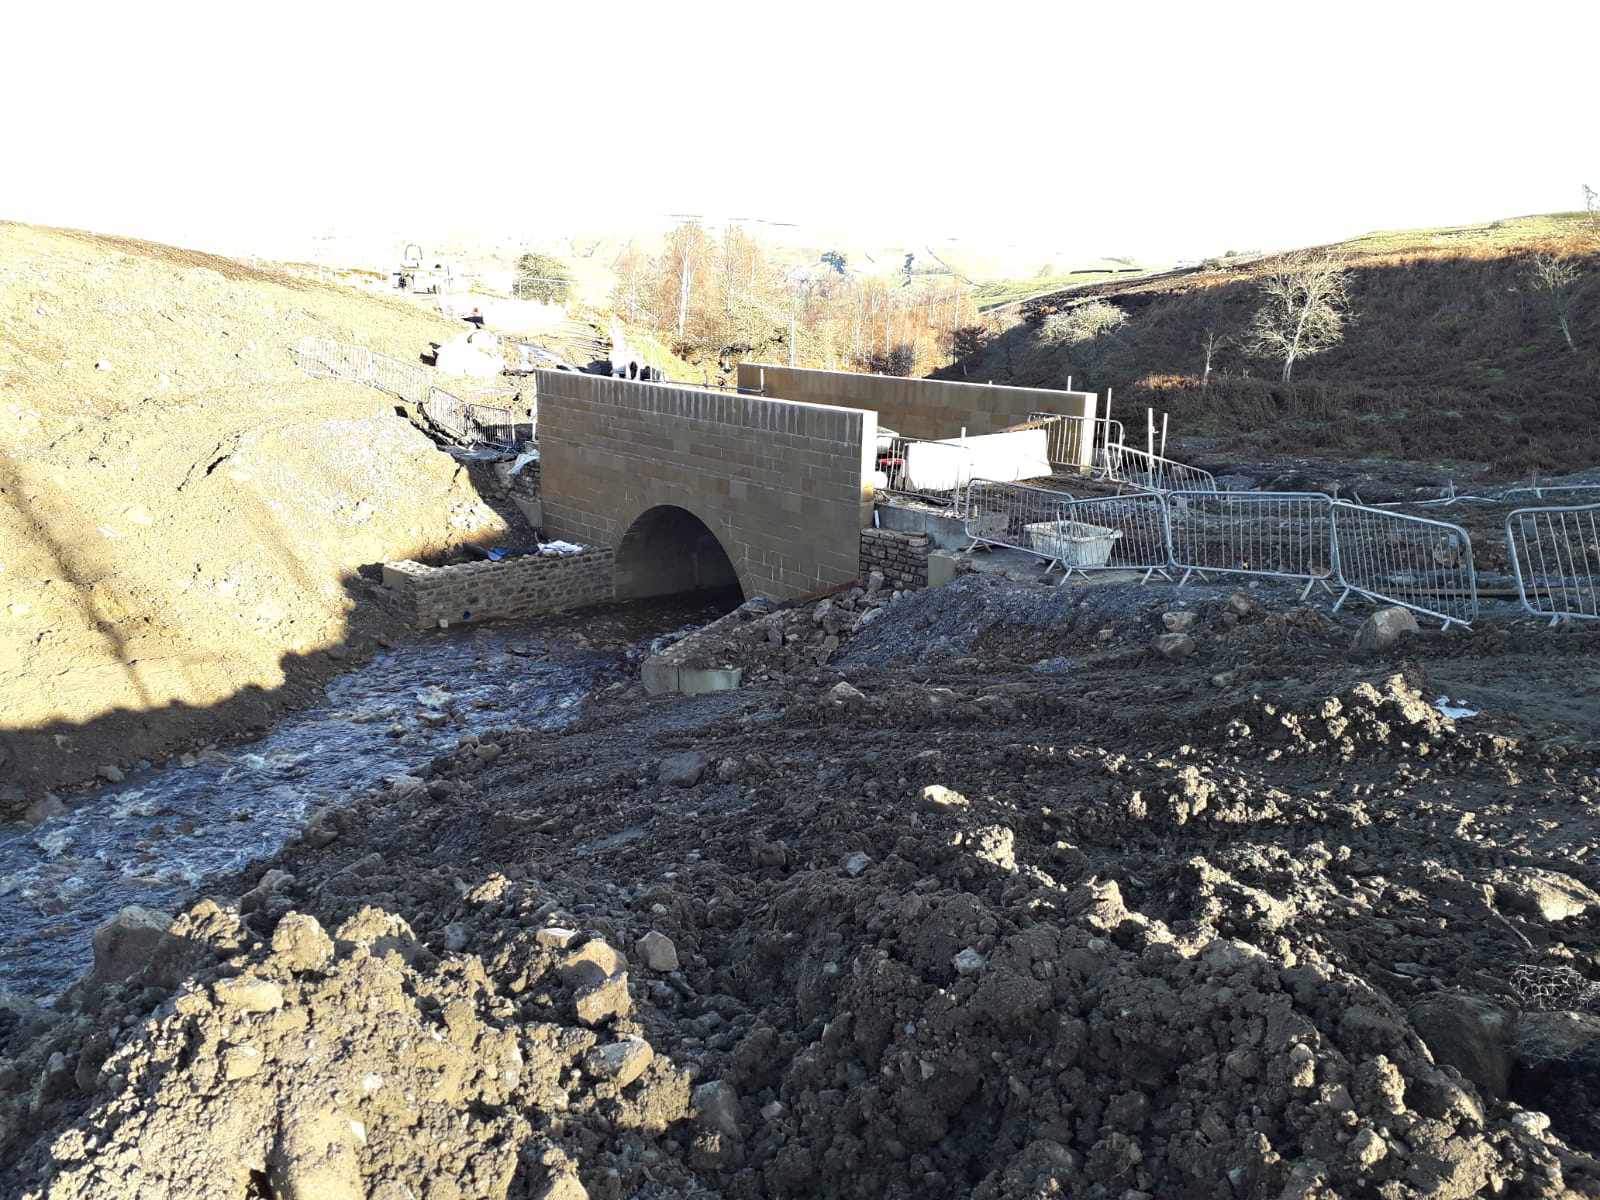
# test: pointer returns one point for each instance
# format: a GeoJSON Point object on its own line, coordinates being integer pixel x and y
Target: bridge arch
{"type": "Point", "coordinates": [669, 549]}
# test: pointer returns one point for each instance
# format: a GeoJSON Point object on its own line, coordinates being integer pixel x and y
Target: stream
{"type": "Point", "coordinates": [155, 838]}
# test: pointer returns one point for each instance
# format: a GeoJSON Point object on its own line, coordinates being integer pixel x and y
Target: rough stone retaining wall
{"type": "Point", "coordinates": [902, 557]}
{"type": "Point", "coordinates": [517, 587]}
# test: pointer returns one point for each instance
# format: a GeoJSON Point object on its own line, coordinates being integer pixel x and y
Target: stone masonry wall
{"type": "Point", "coordinates": [784, 487]}
{"type": "Point", "coordinates": [917, 408]}
{"type": "Point", "coordinates": [902, 557]}
{"type": "Point", "coordinates": [515, 587]}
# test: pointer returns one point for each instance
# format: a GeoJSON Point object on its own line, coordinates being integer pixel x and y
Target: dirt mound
{"type": "Point", "coordinates": [967, 930]}
{"type": "Point", "coordinates": [182, 512]}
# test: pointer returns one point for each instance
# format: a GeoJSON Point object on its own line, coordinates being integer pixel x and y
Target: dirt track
{"type": "Point", "coordinates": [1012, 907]}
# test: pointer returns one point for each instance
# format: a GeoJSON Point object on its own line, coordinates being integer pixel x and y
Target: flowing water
{"type": "Point", "coordinates": [155, 838]}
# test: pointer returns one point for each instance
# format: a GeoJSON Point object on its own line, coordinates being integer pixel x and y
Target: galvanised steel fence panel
{"type": "Point", "coordinates": [1285, 535]}
{"type": "Point", "coordinates": [1113, 533]}
{"type": "Point", "coordinates": [1415, 562]}
{"type": "Point", "coordinates": [1152, 472]}
{"type": "Point", "coordinates": [1067, 436]}
{"type": "Point", "coordinates": [934, 471]}
{"type": "Point", "coordinates": [1555, 553]}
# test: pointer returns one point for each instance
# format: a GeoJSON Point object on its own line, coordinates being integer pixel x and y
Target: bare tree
{"type": "Point", "coordinates": [1210, 343]}
{"type": "Point", "coordinates": [1558, 280]}
{"type": "Point", "coordinates": [1307, 300]}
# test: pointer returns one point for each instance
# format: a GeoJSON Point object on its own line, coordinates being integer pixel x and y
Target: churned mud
{"type": "Point", "coordinates": [1102, 892]}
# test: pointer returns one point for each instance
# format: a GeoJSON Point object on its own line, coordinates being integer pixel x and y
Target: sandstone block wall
{"type": "Point", "coordinates": [784, 487]}
{"type": "Point", "coordinates": [919, 408]}
{"type": "Point", "coordinates": [516, 587]}
{"type": "Point", "coordinates": [902, 557]}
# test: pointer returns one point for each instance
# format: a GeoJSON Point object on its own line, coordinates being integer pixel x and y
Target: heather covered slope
{"type": "Point", "coordinates": [1450, 354]}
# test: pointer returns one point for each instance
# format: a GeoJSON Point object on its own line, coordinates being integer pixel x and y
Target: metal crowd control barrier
{"type": "Point", "coordinates": [1066, 437]}
{"type": "Point", "coordinates": [1555, 553]}
{"type": "Point", "coordinates": [1113, 533]}
{"type": "Point", "coordinates": [935, 471]}
{"type": "Point", "coordinates": [1415, 562]}
{"type": "Point", "coordinates": [1124, 464]}
{"type": "Point", "coordinates": [1285, 535]}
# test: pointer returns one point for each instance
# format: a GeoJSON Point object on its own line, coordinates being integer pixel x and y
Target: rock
{"type": "Point", "coordinates": [842, 695]}
{"type": "Point", "coordinates": [271, 881]}
{"type": "Point", "coordinates": [856, 863]}
{"type": "Point", "coordinates": [1469, 1033]}
{"type": "Point", "coordinates": [716, 1107]}
{"type": "Point", "coordinates": [562, 1186]}
{"type": "Point", "coordinates": [822, 611]}
{"type": "Point", "coordinates": [590, 963]}
{"type": "Point", "coordinates": [620, 1062]}
{"type": "Point", "coordinates": [1383, 629]}
{"type": "Point", "coordinates": [555, 937]}
{"type": "Point", "coordinates": [657, 951]}
{"type": "Point", "coordinates": [1179, 620]}
{"type": "Point", "coordinates": [867, 618]}
{"type": "Point", "coordinates": [729, 769]}
{"type": "Point", "coordinates": [248, 994]}
{"type": "Point", "coordinates": [774, 1111]}
{"type": "Point", "coordinates": [937, 796]}
{"type": "Point", "coordinates": [599, 1002]}
{"type": "Point", "coordinates": [240, 1062]}
{"type": "Point", "coordinates": [967, 962]}
{"type": "Point", "coordinates": [1543, 1038]}
{"type": "Point", "coordinates": [455, 937]}
{"type": "Point", "coordinates": [1241, 604]}
{"type": "Point", "coordinates": [1368, 1148]}
{"type": "Point", "coordinates": [111, 774]}
{"type": "Point", "coordinates": [682, 770]}
{"type": "Point", "coordinates": [1173, 646]}
{"type": "Point", "coordinates": [124, 943]}
{"type": "Point", "coordinates": [302, 943]}
{"type": "Point", "coordinates": [1549, 895]}
{"type": "Point", "coordinates": [874, 582]}
{"type": "Point", "coordinates": [314, 1158]}
{"type": "Point", "coordinates": [44, 809]}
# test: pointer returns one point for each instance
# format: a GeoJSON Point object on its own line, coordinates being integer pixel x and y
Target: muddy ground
{"type": "Point", "coordinates": [1002, 901]}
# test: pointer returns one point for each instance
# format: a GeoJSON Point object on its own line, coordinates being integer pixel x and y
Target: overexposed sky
{"type": "Point", "coordinates": [1162, 130]}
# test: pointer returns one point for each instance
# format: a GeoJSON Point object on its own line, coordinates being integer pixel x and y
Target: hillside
{"type": "Point", "coordinates": [1449, 356]}
{"type": "Point", "coordinates": [183, 514]}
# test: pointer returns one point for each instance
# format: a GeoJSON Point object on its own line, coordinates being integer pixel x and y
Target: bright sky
{"type": "Point", "coordinates": [1156, 129]}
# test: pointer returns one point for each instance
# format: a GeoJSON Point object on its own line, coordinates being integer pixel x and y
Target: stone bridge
{"type": "Point", "coordinates": [696, 488]}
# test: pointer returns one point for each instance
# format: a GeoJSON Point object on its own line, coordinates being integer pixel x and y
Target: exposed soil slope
{"type": "Point", "coordinates": [1450, 355]}
{"type": "Point", "coordinates": [1253, 923]}
{"type": "Point", "coordinates": [182, 512]}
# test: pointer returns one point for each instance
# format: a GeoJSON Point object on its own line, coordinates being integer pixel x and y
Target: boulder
{"type": "Point", "coordinates": [1471, 1034]}
{"type": "Point", "coordinates": [1538, 892]}
{"type": "Point", "coordinates": [1383, 629]}
{"type": "Point", "coordinates": [716, 1107]}
{"type": "Point", "coordinates": [1543, 1038]}
{"type": "Point", "coordinates": [302, 942]}
{"type": "Point", "coordinates": [657, 951]}
{"type": "Point", "coordinates": [620, 1062]}
{"type": "Point", "coordinates": [1173, 646]}
{"type": "Point", "coordinates": [44, 809]}
{"type": "Point", "coordinates": [600, 1002]}
{"type": "Point", "coordinates": [125, 943]}
{"type": "Point", "coordinates": [682, 770]}
{"type": "Point", "coordinates": [1179, 620]}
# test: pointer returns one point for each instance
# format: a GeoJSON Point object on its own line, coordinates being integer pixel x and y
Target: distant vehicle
{"type": "Point", "coordinates": [417, 274]}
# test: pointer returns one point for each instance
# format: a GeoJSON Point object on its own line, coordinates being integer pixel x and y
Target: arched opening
{"type": "Point", "coordinates": [670, 550]}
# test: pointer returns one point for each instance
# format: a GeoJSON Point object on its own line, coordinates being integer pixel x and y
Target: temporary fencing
{"type": "Point", "coordinates": [1416, 562]}
{"type": "Point", "coordinates": [1142, 469]}
{"type": "Point", "coordinates": [1112, 533]}
{"type": "Point", "coordinates": [1555, 553]}
{"type": "Point", "coordinates": [1076, 442]}
{"type": "Point", "coordinates": [935, 471]}
{"type": "Point", "coordinates": [1286, 535]}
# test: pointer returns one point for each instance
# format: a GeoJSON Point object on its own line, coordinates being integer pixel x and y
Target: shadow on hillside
{"type": "Point", "coordinates": [1445, 358]}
